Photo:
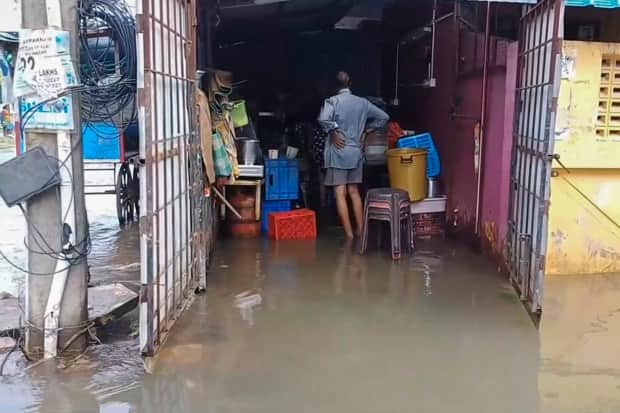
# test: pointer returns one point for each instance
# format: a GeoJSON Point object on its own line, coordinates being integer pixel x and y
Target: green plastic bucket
{"type": "Point", "coordinates": [239, 114]}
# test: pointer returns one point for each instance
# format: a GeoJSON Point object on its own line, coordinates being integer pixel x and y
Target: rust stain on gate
{"type": "Point", "coordinates": [536, 102]}
{"type": "Point", "coordinates": [172, 221]}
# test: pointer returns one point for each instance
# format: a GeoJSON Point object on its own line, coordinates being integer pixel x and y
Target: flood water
{"type": "Point", "coordinates": [313, 326]}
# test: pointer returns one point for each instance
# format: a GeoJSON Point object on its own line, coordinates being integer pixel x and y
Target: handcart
{"type": "Point", "coordinates": [111, 151]}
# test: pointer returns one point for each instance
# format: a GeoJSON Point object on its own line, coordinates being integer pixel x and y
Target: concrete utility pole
{"type": "Point", "coordinates": [46, 212]}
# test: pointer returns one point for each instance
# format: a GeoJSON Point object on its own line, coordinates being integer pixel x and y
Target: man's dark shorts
{"type": "Point", "coordinates": [338, 177]}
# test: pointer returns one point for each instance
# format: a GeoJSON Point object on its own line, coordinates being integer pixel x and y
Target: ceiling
{"type": "Point", "coordinates": [244, 19]}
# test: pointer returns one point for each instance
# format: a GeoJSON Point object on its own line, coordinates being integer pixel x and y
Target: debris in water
{"type": "Point", "coordinates": [245, 302]}
{"type": "Point", "coordinates": [427, 280]}
{"type": "Point", "coordinates": [5, 295]}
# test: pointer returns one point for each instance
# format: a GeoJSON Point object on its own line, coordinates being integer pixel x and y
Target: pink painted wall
{"type": "Point", "coordinates": [455, 137]}
{"type": "Point", "coordinates": [497, 154]}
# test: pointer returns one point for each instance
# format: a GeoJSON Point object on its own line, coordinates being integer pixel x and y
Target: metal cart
{"type": "Point", "coordinates": [107, 150]}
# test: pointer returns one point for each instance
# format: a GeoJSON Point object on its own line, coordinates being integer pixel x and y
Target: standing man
{"type": "Point", "coordinates": [347, 118]}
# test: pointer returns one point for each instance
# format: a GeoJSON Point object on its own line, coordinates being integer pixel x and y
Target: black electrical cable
{"type": "Point", "coordinates": [82, 248]}
{"type": "Point", "coordinates": [4, 360]}
{"type": "Point", "coordinates": [108, 63]}
{"type": "Point", "coordinates": [585, 196]}
{"type": "Point", "coordinates": [58, 255]}
{"type": "Point", "coordinates": [107, 91]}
{"type": "Point", "coordinates": [41, 274]}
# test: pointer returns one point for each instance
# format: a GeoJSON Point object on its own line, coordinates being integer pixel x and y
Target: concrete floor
{"type": "Point", "coordinates": [307, 327]}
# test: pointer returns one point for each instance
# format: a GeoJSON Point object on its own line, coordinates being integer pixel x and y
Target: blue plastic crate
{"type": "Point", "coordinates": [424, 141]}
{"type": "Point", "coordinates": [101, 141]}
{"type": "Point", "coordinates": [268, 208]}
{"type": "Point", "coordinates": [281, 179]}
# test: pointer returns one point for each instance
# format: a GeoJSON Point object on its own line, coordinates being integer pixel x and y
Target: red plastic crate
{"type": "Point", "coordinates": [298, 224]}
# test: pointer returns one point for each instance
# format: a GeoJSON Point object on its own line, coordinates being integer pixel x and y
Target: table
{"type": "Point", "coordinates": [257, 184]}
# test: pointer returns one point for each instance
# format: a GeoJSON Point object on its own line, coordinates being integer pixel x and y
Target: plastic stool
{"type": "Point", "coordinates": [391, 205]}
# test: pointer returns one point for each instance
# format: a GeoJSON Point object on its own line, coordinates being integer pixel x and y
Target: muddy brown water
{"type": "Point", "coordinates": [313, 326]}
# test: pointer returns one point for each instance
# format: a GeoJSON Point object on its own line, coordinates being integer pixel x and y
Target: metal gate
{"type": "Point", "coordinates": [538, 80]}
{"type": "Point", "coordinates": [173, 256]}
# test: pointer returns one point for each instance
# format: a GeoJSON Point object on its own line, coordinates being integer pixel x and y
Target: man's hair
{"type": "Point", "coordinates": [343, 79]}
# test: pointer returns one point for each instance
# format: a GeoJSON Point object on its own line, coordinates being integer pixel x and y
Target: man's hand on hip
{"type": "Point", "coordinates": [338, 139]}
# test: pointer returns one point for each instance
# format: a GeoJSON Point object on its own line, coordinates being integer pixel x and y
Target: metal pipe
{"type": "Point", "coordinates": [432, 64]}
{"type": "Point", "coordinates": [457, 43]}
{"type": "Point", "coordinates": [485, 75]}
{"type": "Point", "coordinates": [396, 102]}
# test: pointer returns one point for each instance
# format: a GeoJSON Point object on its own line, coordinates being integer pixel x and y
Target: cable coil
{"type": "Point", "coordinates": [107, 62]}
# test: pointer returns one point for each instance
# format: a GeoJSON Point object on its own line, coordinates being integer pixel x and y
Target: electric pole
{"type": "Point", "coordinates": [54, 297]}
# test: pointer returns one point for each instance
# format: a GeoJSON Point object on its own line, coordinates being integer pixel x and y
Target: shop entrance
{"type": "Point", "coordinates": [455, 70]}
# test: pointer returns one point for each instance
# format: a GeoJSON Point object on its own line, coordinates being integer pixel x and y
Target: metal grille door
{"type": "Point", "coordinates": [536, 101]}
{"type": "Point", "coordinates": [171, 181]}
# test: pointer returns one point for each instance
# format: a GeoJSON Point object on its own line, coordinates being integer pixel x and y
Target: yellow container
{"type": "Point", "coordinates": [407, 169]}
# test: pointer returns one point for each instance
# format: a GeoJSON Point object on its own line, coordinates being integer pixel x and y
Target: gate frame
{"type": "Point", "coordinates": [531, 161]}
{"type": "Point", "coordinates": [184, 259]}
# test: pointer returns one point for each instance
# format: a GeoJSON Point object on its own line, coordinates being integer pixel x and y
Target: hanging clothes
{"type": "Point", "coordinates": [222, 164]}
{"type": "Point", "coordinates": [206, 134]}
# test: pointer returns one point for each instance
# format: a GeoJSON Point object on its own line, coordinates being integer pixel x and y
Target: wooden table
{"type": "Point", "coordinates": [257, 184]}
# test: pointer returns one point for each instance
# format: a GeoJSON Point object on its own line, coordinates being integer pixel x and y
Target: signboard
{"type": "Point", "coordinates": [57, 114]}
{"type": "Point", "coordinates": [43, 65]}
{"type": "Point", "coordinates": [43, 70]}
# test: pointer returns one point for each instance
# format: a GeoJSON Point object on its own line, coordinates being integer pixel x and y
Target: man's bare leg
{"type": "Point", "coordinates": [340, 192]}
{"type": "Point", "coordinates": [322, 188]}
{"type": "Point", "coordinates": [358, 209]}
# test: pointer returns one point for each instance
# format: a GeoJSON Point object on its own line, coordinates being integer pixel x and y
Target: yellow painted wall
{"type": "Point", "coordinates": [581, 240]}
{"type": "Point", "coordinates": [578, 108]}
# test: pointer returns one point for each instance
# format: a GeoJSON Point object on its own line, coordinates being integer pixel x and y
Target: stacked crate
{"type": "Point", "coordinates": [295, 225]}
{"type": "Point", "coordinates": [281, 187]}
{"type": "Point", "coordinates": [429, 217]}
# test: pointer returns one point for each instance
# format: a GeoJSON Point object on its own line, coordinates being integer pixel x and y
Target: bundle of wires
{"type": "Point", "coordinates": [74, 253]}
{"type": "Point", "coordinates": [107, 62]}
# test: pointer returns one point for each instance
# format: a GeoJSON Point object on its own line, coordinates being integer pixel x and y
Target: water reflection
{"type": "Point", "coordinates": [580, 331]}
{"type": "Point", "coordinates": [350, 333]}
{"type": "Point", "coordinates": [334, 331]}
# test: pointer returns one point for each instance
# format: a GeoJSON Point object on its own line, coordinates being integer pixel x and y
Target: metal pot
{"type": "Point", "coordinates": [433, 188]}
{"type": "Point", "coordinates": [249, 152]}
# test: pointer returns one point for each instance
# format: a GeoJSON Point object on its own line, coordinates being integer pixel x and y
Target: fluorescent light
{"type": "Point", "coordinates": [262, 2]}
